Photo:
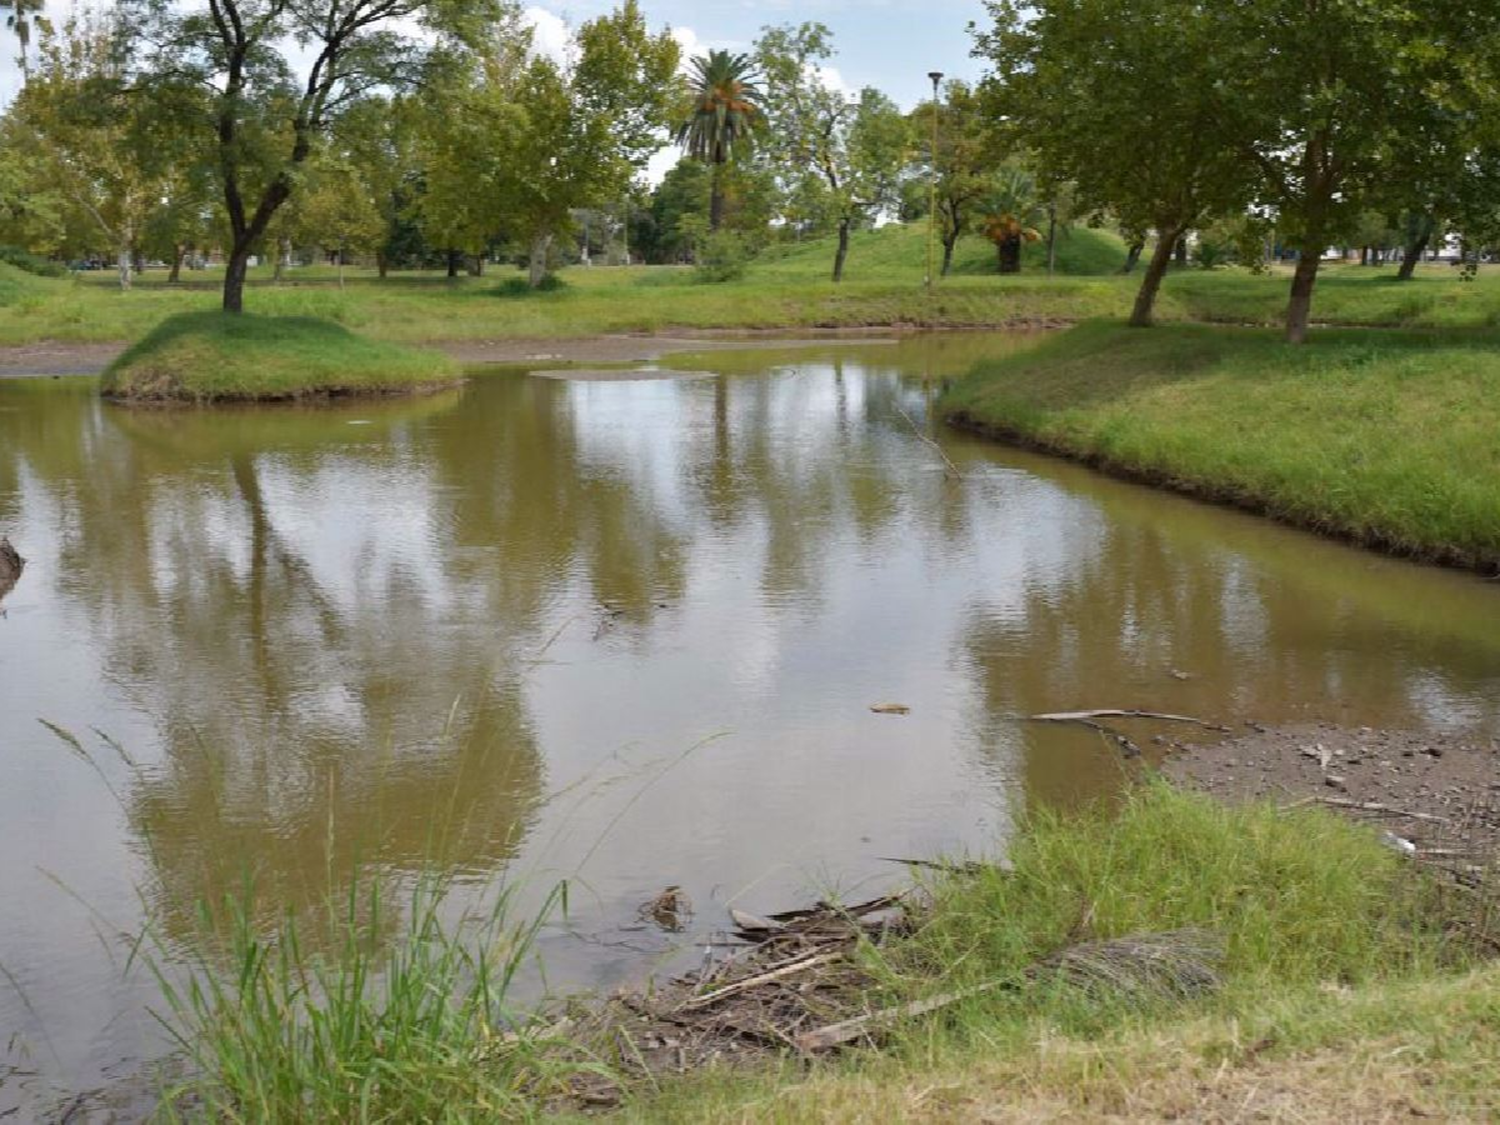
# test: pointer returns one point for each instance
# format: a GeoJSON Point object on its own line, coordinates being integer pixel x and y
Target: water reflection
{"type": "Point", "coordinates": [347, 643]}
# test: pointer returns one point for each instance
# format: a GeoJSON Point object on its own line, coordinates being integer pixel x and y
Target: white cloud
{"type": "Point", "coordinates": [551, 35]}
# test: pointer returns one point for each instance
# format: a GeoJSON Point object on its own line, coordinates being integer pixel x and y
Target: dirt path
{"type": "Point", "coordinates": [56, 357]}
{"type": "Point", "coordinates": [1440, 794]}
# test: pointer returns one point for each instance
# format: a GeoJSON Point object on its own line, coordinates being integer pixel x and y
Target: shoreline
{"type": "Point", "coordinates": [58, 358]}
{"type": "Point", "coordinates": [1486, 567]}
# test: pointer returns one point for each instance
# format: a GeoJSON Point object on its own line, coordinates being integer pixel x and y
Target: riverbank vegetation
{"type": "Point", "coordinates": [209, 357]}
{"type": "Point", "coordinates": [1388, 438]}
{"type": "Point", "coordinates": [1275, 935]}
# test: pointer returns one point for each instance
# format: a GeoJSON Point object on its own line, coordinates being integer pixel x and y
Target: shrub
{"type": "Point", "coordinates": [723, 257]}
{"type": "Point", "coordinates": [31, 263]}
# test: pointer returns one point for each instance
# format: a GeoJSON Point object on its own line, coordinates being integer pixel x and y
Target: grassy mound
{"type": "Point", "coordinates": [898, 252]}
{"type": "Point", "coordinates": [212, 357]}
{"type": "Point", "coordinates": [17, 285]}
{"type": "Point", "coordinates": [1388, 438]}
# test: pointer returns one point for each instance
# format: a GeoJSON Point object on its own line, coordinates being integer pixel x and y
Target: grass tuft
{"type": "Point", "coordinates": [212, 357]}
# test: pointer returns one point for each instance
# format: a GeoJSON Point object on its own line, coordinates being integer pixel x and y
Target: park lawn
{"type": "Point", "coordinates": [1387, 437]}
{"type": "Point", "coordinates": [786, 288]}
{"type": "Point", "coordinates": [204, 357]}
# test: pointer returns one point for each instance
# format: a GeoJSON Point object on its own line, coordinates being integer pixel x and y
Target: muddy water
{"type": "Point", "coordinates": [623, 632]}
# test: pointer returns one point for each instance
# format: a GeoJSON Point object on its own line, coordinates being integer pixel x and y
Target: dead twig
{"type": "Point", "coordinates": [938, 449]}
{"type": "Point", "coordinates": [1112, 713]}
{"type": "Point", "coordinates": [798, 965]}
{"type": "Point", "coordinates": [1366, 806]}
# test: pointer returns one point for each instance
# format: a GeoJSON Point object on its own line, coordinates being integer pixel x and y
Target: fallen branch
{"type": "Point", "coordinates": [952, 468]}
{"type": "Point", "coordinates": [846, 1031]}
{"type": "Point", "coordinates": [802, 964]}
{"type": "Point", "coordinates": [1366, 806]}
{"type": "Point", "coordinates": [1111, 713]}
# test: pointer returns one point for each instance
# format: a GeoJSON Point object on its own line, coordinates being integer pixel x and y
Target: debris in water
{"type": "Point", "coordinates": [670, 910]}
{"type": "Point", "coordinates": [891, 709]}
{"type": "Point", "coordinates": [11, 565]}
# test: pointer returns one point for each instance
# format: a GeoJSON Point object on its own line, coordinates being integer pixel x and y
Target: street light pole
{"type": "Point", "coordinates": [937, 77]}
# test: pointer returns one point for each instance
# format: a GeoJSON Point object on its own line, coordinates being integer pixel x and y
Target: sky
{"type": "Point", "coordinates": [891, 44]}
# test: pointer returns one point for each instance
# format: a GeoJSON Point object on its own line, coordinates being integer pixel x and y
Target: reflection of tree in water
{"type": "Point", "coordinates": [808, 454]}
{"type": "Point", "coordinates": [301, 695]}
{"type": "Point", "coordinates": [527, 514]}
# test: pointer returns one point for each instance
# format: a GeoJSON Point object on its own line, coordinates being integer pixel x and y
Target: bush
{"type": "Point", "coordinates": [520, 287]}
{"type": "Point", "coordinates": [31, 263]}
{"type": "Point", "coordinates": [723, 257]}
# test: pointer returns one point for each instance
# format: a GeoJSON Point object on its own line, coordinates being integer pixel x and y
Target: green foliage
{"type": "Point", "coordinates": [515, 287]}
{"type": "Point", "coordinates": [215, 357]}
{"type": "Point", "coordinates": [723, 256]}
{"type": "Point", "coordinates": [22, 260]}
{"type": "Point", "coordinates": [1388, 438]}
{"type": "Point", "coordinates": [724, 109]}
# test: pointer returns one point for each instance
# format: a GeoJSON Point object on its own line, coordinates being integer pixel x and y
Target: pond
{"type": "Point", "coordinates": [627, 633]}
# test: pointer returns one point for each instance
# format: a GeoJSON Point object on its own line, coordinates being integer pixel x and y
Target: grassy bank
{"type": "Point", "coordinates": [1389, 438]}
{"type": "Point", "coordinates": [1328, 939]}
{"type": "Point", "coordinates": [211, 357]}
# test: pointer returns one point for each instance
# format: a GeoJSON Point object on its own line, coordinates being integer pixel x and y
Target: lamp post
{"type": "Point", "coordinates": [937, 77]}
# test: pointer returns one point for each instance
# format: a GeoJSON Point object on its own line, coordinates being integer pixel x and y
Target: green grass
{"type": "Point", "coordinates": [786, 288]}
{"type": "Point", "coordinates": [212, 357]}
{"type": "Point", "coordinates": [420, 1030]}
{"type": "Point", "coordinates": [1389, 438]}
{"type": "Point", "coordinates": [1334, 942]}
{"type": "Point", "coordinates": [1331, 940]}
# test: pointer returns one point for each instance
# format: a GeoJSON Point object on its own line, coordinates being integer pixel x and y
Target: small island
{"type": "Point", "coordinates": [214, 357]}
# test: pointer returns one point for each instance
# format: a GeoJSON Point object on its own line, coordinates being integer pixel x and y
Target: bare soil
{"type": "Point", "coordinates": [1438, 793]}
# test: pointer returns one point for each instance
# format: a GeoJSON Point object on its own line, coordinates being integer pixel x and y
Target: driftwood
{"type": "Point", "coordinates": [1091, 719]}
{"type": "Point", "coordinates": [1112, 713]}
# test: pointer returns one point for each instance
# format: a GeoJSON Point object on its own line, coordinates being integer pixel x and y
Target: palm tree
{"type": "Point", "coordinates": [725, 111]}
{"type": "Point", "coordinates": [1011, 215]}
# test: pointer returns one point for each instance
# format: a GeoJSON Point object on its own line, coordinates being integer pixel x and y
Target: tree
{"type": "Point", "coordinates": [1119, 97]}
{"type": "Point", "coordinates": [724, 114]}
{"type": "Point", "coordinates": [850, 151]}
{"type": "Point", "coordinates": [266, 121]}
{"type": "Point", "coordinates": [338, 211]}
{"type": "Point", "coordinates": [1011, 213]}
{"type": "Point", "coordinates": [104, 151]}
{"type": "Point", "coordinates": [1330, 133]}
{"type": "Point", "coordinates": [965, 162]}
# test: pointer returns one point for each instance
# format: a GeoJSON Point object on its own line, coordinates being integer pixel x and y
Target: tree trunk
{"type": "Point", "coordinates": [382, 264]}
{"type": "Point", "coordinates": [124, 264]}
{"type": "Point", "coordinates": [1411, 255]}
{"type": "Point", "coordinates": [843, 251]}
{"type": "Point", "coordinates": [537, 273]}
{"type": "Point", "coordinates": [1009, 251]}
{"type": "Point", "coordinates": [1364, 255]}
{"type": "Point", "coordinates": [1132, 257]}
{"type": "Point", "coordinates": [1299, 308]}
{"type": "Point", "coordinates": [1051, 239]}
{"type": "Point", "coordinates": [341, 270]}
{"type": "Point", "coordinates": [476, 265]}
{"type": "Point", "coordinates": [453, 257]}
{"type": "Point", "coordinates": [235, 268]}
{"type": "Point", "coordinates": [715, 197]}
{"type": "Point", "coordinates": [179, 252]}
{"type": "Point", "coordinates": [949, 242]}
{"type": "Point", "coordinates": [1145, 299]}
{"type": "Point", "coordinates": [1182, 249]}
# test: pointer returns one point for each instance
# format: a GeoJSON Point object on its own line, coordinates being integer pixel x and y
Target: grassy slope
{"type": "Point", "coordinates": [1337, 957]}
{"type": "Point", "coordinates": [207, 356]}
{"type": "Point", "coordinates": [1389, 438]}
